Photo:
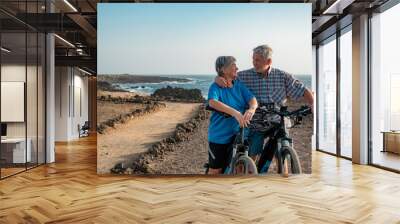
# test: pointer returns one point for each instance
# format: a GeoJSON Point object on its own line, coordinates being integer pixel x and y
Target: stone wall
{"type": "Point", "coordinates": [151, 106]}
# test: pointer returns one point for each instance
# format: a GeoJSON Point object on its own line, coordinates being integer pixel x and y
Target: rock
{"type": "Point", "coordinates": [118, 168]}
{"type": "Point", "coordinates": [106, 86]}
{"type": "Point", "coordinates": [128, 171]}
{"type": "Point", "coordinates": [170, 140]}
{"type": "Point", "coordinates": [101, 128]}
{"type": "Point", "coordinates": [178, 94]}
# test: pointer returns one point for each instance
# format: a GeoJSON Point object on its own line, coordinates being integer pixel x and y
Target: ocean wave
{"type": "Point", "coordinates": [134, 91]}
{"type": "Point", "coordinates": [176, 83]}
{"type": "Point", "coordinates": [130, 87]}
{"type": "Point", "coordinates": [141, 87]}
{"type": "Point", "coordinates": [193, 80]}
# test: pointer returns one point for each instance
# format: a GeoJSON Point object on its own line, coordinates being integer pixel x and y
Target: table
{"type": "Point", "coordinates": [15, 148]}
{"type": "Point", "coordinates": [391, 141]}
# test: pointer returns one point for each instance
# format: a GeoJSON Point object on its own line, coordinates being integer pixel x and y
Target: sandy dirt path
{"type": "Point", "coordinates": [126, 141]}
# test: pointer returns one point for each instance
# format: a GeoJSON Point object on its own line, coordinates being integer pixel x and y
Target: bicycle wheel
{"type": "Point", "coordinates": [289, 156]}
{"type": "Point", "coordinates": [244, 165]}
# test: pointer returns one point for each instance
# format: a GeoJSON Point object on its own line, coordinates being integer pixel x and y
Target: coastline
{"type": "Point", "coordinates": [147, 85]}
{"type": "Point", "coordinates": [132, 79]}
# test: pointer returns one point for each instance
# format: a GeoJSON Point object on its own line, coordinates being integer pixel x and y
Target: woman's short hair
{"type": "Point", "coordinates": [223, 62]}
{"type": "Point", "coordinates": [264, 50]}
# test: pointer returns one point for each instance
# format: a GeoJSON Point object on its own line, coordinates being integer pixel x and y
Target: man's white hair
{"type": "Point", "coordinates": [264, 50]}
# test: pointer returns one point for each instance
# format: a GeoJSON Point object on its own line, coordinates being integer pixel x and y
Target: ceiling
{"type": "Point", "coordinates": [76, 21]}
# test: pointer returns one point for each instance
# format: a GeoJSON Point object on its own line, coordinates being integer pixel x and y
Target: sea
{"type": "Point", "coordinates": [201, 82]}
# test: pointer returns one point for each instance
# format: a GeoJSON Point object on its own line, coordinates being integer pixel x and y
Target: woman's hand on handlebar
{"type": "Point", "coordinates": [248, 115]}
{"type": "Point", "coordinates": [240, 119]}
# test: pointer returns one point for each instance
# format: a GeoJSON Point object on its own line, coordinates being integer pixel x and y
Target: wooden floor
{"type": "Point", "coordinates": [69, 191]}
{"type": "Point", "coordinates": [5, 172]}
{"type": "Point", "coordinates": [386, 159]}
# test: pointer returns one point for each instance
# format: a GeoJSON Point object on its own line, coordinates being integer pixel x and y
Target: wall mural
{"type": "Point", "coordinates": [204, 89]}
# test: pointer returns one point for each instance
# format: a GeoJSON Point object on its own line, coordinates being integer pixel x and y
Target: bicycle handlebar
{"type": "Point", "coordinates": [208, 107]}
{"type": "Point", "coordinates": [283, 112]}
{"type": "Point", "coordinates": [302, 111]}
{"type": "Point", "coordinates": [272, 109]}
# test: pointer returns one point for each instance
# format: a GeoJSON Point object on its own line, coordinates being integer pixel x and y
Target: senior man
{"type": "Point", "coordinates": [269, 85]}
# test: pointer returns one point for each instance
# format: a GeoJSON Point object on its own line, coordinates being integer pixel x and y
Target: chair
{"type": "Point", "coordinates": [84, 130]}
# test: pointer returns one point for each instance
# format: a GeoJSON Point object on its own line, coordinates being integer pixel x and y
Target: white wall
{"type": "Point", "coordinates": [314, 89]}
{"type": "Point", "coordinates": [11, 73]}
{"type": "Point", "coordinates": [50, 94]}
{"type": "Point", "coordinates": [16, 73]}
{"type": "Point", "coordinates": [70, 83]}
{"type": "Point", "coordinates": [62, 81]}
{"type": "Point", "coordinates": [81, 94]}
{"type": "Point", "coordinates": [33, 126]}
{"type": "Point", "coordinates": [360, 90]}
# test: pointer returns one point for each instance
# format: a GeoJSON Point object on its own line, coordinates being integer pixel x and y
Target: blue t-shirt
{"type": "Point", "coordinates": [222, 129]}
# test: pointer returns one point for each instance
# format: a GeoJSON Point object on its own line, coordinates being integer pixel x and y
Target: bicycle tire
{"type": "Point", "coordinates": [279, 161]}
{"type": "Point", "coordinates": [249, 167]}
{"type": "Point", "coordinates": [285, 165]}
{"type": "Point", "coordinates": [294, 160]}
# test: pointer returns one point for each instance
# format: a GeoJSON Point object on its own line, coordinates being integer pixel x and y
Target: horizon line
{"type": "Point", "coordinates": [173, 74]}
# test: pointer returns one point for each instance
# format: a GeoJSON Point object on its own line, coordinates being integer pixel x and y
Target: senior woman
{"type": "Point", "coordinates": [232, 100]}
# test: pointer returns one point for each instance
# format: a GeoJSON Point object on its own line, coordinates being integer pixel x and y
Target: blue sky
{"type": "Point", "coordinates": [171, 38]}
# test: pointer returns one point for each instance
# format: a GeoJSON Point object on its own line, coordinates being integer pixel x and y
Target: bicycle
{"type": "Point", "coordinates": [278, 138]}
{"type": "Point", "coordinates": [240, 162]}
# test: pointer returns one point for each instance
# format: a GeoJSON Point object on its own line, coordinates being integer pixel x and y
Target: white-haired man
{"type": "Point", "coordinates": [269, 85]}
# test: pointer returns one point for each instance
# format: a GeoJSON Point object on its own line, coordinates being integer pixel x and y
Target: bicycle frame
{"type": "Point", "coordinates": [278, 138]}
{"type": "Point", "coordinates": [239, 148]}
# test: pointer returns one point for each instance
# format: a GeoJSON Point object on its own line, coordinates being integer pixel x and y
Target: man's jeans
{"type": "Point", "coordinates": [256, 145]}
{"type": "Point", "coordinates": [256, 142]}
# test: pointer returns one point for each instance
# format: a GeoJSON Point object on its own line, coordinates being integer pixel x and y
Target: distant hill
{"type": "Point", "coordinates": [126, 78]}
